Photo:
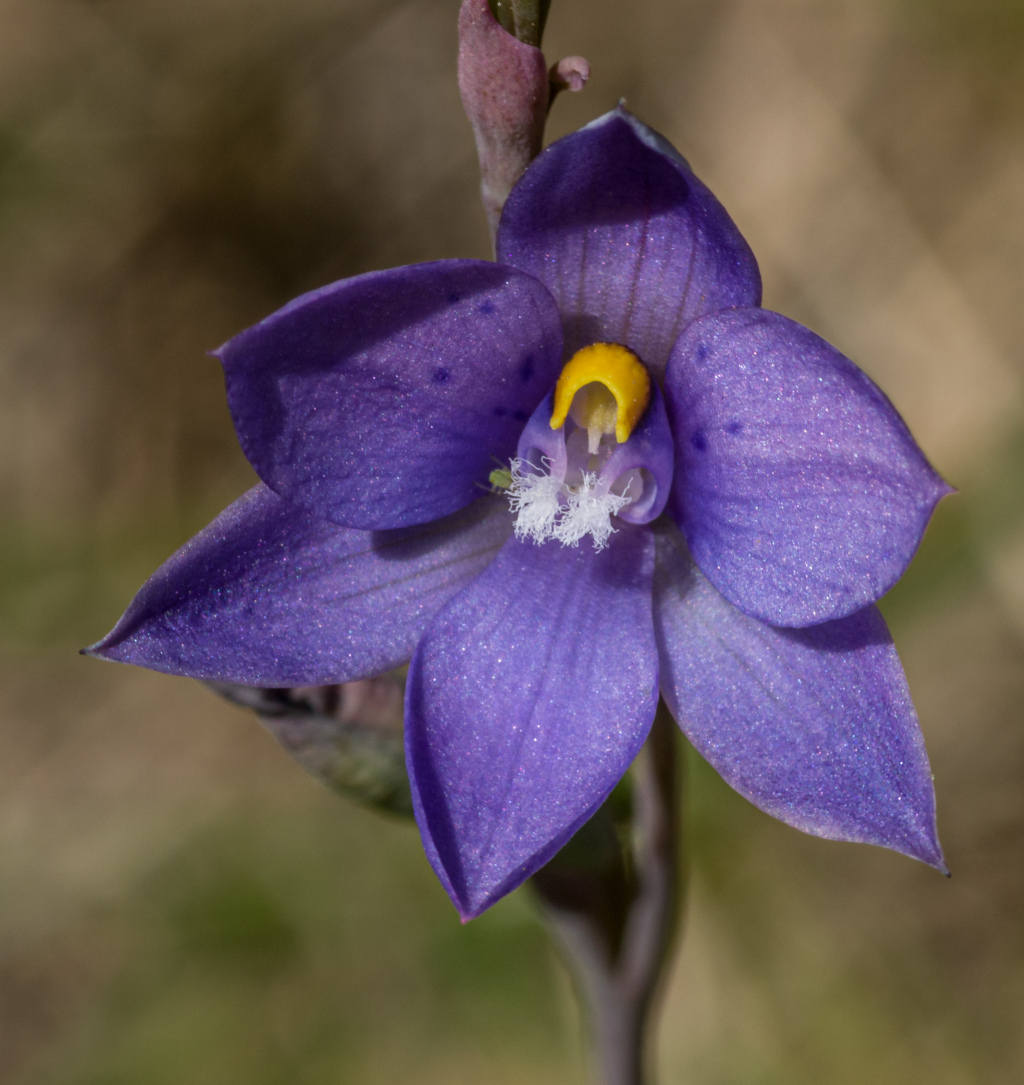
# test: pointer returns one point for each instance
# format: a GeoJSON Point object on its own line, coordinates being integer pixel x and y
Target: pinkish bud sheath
{"type": "Point", "coordinates": [504, 87]}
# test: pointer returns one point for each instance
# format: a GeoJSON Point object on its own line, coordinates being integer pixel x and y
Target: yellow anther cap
{"type": "Point", "coordinates": [619, 371]}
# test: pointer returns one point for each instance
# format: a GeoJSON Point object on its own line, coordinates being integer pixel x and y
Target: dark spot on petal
{"type": "Point", "coordinates": [734, 427]}
{"type": "Point", "coordinates": [441, 375]}
{"type": "Point", "coordinates": [486, 307]}
{"type": "Point", "coordinates": [701, 351]}
{"type": "Point", "coordinates": [500, 412]}
{"type": "Point", "coordinates": [699, 441]}
{"type": "Point", "coordinates": [526, 369]}
{"type": "Point", "coordinates": [453, 298]}
{"type": "Point", "coordinates": [520, 416]}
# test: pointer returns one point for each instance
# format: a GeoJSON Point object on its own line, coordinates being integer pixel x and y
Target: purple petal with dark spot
{"type": "Point", "coordinates": [269, 595]}
{"type": "Point", "coordinates": [383, 401]}
{"type": "Point", "coordinates": [800, 490]}
{"type": "Point", "coordinates": [528, 697]}
{"type": "Point", "coordinates": [815, 726]}
{"type": "Point", "coordinates": [612, 220]}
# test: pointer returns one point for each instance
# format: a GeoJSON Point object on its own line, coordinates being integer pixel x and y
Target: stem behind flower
{"type": "Point", "coordinates": [612, 905]}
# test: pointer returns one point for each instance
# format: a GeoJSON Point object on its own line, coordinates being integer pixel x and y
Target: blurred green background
{"type": "Point", "coordinates": [178, 901]}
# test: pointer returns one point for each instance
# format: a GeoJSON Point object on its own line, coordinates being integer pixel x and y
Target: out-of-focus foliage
{"type": "Point", "coordinates": [349, 736]}
{"type": "Point", "coordinates": [178, 901]}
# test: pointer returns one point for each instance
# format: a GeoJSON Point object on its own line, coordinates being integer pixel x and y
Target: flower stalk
{"type": "Point", "coordinates": [507, 90]}
{"type": "Point", "coordinates": [612, 900]}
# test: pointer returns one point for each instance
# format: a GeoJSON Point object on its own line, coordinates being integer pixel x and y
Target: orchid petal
{"type": "Point", "coordinates": [528, 698]}
{"type": "Point", "coordinates": [269, 595]}
{"type": "Point", "coordinates": [383, 401]}
{"type": "Point", "coordinates": [800, 490]}
{"type": "Point", "coordinates": [815, 726]}
{"type": "Point", "coordinates": [612, 220]}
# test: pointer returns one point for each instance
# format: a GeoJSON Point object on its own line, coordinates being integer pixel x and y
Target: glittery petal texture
{"type": "Point", "coordinates": [800, 490]}
{"type": "Point", "coordinates": [527, 700]}
{"type": "Point", "coordinates": [382, 401]}
{"type": "Point", "coordinates": [612, 220]}
{"type": "Point", "coordinates": [268, 595]}
{"type": "Point", "coordinates": [815, 726]}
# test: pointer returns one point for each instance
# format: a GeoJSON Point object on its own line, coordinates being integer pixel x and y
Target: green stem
{"type": "Point", "coordinates": [613, 910]}
{"type": "Point", "coordinates": [523, 19]}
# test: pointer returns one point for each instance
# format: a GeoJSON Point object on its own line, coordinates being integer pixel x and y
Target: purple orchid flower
{"type": "Point", "coordinates": [705, 500]}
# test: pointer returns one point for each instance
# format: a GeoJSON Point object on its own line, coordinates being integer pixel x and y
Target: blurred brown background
{"type": "Point", "coordinates": [178, 901]}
